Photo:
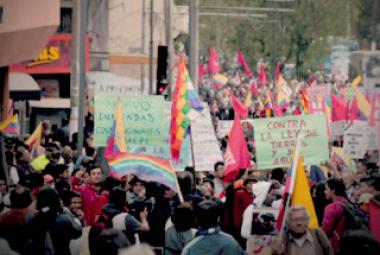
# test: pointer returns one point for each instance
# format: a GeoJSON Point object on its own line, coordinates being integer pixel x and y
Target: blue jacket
{"type": "Point", "coordinates": [213, 241]}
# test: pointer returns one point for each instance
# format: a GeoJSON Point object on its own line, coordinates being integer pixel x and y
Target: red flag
{"type": "Point", "coordinates": [373, 110]}
{"type": "Point", "coordinates": [201, 70]}
{"type": "Point", "coordinates": [339, 108]}
{"type": "Point", "coordinates": [213, 62]}
{"type": "Point", "coordinates": [241, 61]}
{"type": "Point", "coordinates": [239, 107]}
{"type": "Point", "coordinates": [278, 72]}
{"type": "Point", "coordinates": [254, 88]}
{"type": "Point", "coordinates": [262, 76]}
{"type": "Point", "coordinates": [237, 155]}
{"type": "Point", "coordinates": [354, 113]}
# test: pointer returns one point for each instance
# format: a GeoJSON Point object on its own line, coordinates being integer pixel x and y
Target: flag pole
{"type": "Point", "coordinates": [293, 172]}
{"type": "Point", "coordinates": [179, 192]}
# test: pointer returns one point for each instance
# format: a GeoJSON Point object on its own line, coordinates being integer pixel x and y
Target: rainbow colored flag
{"type": "Point", "coordinates": [268, 105]}
{"type": "Point", "coordinates": [219, 81]}
{"type": "Point", "coordinates": [363, 103]}
{"type": "Point", "coordinates": [304, 102]}
{"type": "Point", "coordinates": [10, 127]}
{"type": "Point", "coordinates": [185, 107]}
{"type": "Point", "coordinates": [116, 141]}
{"type": "Point", "coordinates": [145, 167]}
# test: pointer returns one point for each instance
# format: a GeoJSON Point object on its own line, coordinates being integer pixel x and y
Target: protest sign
{"type": "Point", "coordinates": [262, 231]}
{"type": "Point", "coordinates": [355, 140]}
{"type": "Point", "coordinates": [373, 139]}
{"type": "Point", "coordinates": [163, 150]}
{"type": "Point", "coordinates": [337, 129]}
{"type": "Point", "coordinates": [143, 119]}
{"type": "Point", "coordinates": [223, 128]}
{"type": "Point", "coordinates": [206, 150]}
{"type": "Point", "coordinates": [276, 138]}
{"type": "Point", "coordinates": [106, 83]}
{"type": "Point", "coordinates": [259, 245]}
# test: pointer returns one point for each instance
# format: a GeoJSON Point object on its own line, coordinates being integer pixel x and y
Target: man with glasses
{"type": "Point", "coordinates": [299, 239]}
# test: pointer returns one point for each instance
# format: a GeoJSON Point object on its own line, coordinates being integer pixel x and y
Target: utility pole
{"type": "Point", "coordinates": [151, 49]}
{"type": "Point", "coordinates": [274, 49]}
{"type": "Point", "coordinates": [74, 77]}
{"type": "Point", "coordinates": [193, 55]}
{"type": "Point", "coordinates": [348, 19]}
{"type": "Point", "coordinates": [82, 71]}
{"type": "Point", "coordinates": [142, 50]}
{"type": "Point", "coordinates": [169, 44]}
{"type": "Point", "coordinates": [374, 25]}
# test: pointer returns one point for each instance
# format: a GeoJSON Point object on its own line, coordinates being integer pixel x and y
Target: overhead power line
{"type": "Point", "coordinates": [230, 14]}
{"type": "Point", "coordinates": [246, 8]}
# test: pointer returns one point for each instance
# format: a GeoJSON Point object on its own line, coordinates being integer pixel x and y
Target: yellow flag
{"type": "Point", "coordinates": [356, 81]}
{"type": "Point", "coordinates": [35, 138]}
{"type": "Point", "coordinates": [120, 141]}
{"type": "Point", "coordinates": [301, 194]}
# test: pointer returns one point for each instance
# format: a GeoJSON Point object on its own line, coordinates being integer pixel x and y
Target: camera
{"type": "Point", "coordinates": [138, 204]}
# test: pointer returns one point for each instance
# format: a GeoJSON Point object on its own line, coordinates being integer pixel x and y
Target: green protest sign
{"type": "Point", "coordinates": [143, 119]}
{"type": "Point", "coordinates": [163, 150]}
{"type": "Point", "coordinates": [275, 140]}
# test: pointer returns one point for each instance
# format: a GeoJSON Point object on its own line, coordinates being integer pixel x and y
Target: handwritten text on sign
{"type": "Point", "coordinates": [143, 119]}
{"type": "Point", "coordinates": [276, 138]}
{"type": "Point", "coordinates": [355, 140]}
{"type": "Point", "coordinates": [163, 151]}
{"type": "Point", "coordinates": [205, 145]}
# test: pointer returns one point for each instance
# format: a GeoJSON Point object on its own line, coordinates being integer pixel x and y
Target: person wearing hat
{"type": "Point", "coordinates": [209, 238]}
{"type": "Point", "coordinates": [138, 189]}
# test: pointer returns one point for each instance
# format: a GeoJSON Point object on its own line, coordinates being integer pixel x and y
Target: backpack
{"type": "Point", "coordinates": [355, 217]}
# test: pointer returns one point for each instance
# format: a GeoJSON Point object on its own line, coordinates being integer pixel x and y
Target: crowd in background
{"type": "Point", "coordinates": [61, 201]}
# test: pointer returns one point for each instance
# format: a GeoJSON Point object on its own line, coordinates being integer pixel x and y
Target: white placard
{"type": "Point", "coordinates": [205, 146]}
{"type": "Point", "coordinates": [337, 129]}
{"type": "Point", "coordinates": [356, 140]}
{"type": "Point", "coordinates": [106, 83]}
{"type": "Point", "coordinates": [373, 137]}
{"type": "Point", "coordinates": [224, 127]}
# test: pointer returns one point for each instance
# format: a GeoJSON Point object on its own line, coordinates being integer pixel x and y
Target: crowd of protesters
{"type": "Point", "coordinates": [61, 201]}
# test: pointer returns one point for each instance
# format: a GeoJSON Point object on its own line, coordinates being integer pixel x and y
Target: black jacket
{"type": "Point", "coordinates": [61, 227]}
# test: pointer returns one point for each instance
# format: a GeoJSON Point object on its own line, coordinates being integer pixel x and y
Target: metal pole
{"type": "Point", "coordinates": [274, 50]}
{"type": "Point", "coordinates": [142, 66]}
{"type": "Point", "coordinates": [193, 55]}
{"type": "Point", "coordinates": [82, 72]}
{"type": "Point", "coordinates": [151, 49]}
{"type": "Point", "coordinates": [348, 19]}
{"type": "Point", "coordinates": [74, 77]}
{"type": "Point", "coordinates": [374, 25]}
{"type": "Point", "coordinates": [169, 43]}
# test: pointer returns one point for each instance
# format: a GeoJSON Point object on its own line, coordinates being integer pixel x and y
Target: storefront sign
{"type": "Point", "coordinates": [54, 58]}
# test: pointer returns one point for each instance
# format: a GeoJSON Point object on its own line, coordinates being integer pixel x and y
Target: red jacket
{"type": "Point", "coordinates": [89, 195]}
{"type": "Point", "coordinates": [374, 217]}
{"type": "Point", "coordinates": [333, 221]}
{"type": "Point", "coordinates": [242, 200]}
